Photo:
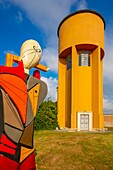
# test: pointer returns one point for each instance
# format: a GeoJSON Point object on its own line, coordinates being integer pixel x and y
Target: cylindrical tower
{"type": "Point", "coordinates": [80, 84]}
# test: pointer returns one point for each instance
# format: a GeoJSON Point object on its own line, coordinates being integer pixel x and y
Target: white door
{"type": "Point", "coordinates": [84, 121]}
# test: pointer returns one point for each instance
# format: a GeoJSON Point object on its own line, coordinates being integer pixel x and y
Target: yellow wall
{"type": "Point", "coordinates": [74, 94]}
{"type": "Point", "coordinates": [81, 28]}
{"type": "Point", "coordinates": [97, 89]}
{"type": "Point", "coordinates": [68, 98]}
{"type": "Point", "coordinates": [61, 92]}
{"type": "Point", "coordinates": [80, 89]}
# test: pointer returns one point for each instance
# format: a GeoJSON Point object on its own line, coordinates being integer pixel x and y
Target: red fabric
{"type": "Point", "coordinates": [7, 146]}
{"type": "Point", "coordinates": [8, 164]}
{"type": "Point", "coordinates": [17, 71]}
{"type": "Point", "coordinates": [29, 163]}
{"type": "Point", "coordinates": [36, 74]}
{"type": "Point", "coordinates": [7, 149]}
{"type": "Point", "coordinates": [6, 141]}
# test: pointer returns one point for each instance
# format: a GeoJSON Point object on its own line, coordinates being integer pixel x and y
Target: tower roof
{"type": "Point", "coordinates": [80, 11]}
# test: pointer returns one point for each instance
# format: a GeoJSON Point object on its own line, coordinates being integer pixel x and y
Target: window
{"type": "Point", "coordinates": [69, 62]}
{"type": "Point", "coordinates": [84, 59]}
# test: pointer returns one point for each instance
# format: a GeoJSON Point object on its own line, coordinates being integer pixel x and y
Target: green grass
{"type": "Point", "coordinates": [109, 128]}
{"type": "Point", "coordinates": [74, 150]}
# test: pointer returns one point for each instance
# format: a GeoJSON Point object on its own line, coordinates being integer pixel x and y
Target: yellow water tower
{"type": "Point", "coordinates": [80, 71]}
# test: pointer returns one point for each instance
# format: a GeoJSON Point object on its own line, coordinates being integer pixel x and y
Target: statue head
{"type": "Point", "coordinates": [30, 53]}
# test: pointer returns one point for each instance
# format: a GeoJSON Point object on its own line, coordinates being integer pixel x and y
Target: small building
{"type": "Point", "coordinates": [80, 78]}
{"type": "Point", "coordinates": [108, 120]}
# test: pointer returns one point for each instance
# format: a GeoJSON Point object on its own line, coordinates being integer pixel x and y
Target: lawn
{"type": "Point", "coordinates": [74, 150]}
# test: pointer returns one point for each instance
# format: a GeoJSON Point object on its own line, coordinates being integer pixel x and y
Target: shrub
{"type": "Point", "coordinates": [46, 117]}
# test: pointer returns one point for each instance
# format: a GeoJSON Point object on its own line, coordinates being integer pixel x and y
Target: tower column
{"type": "Point", "coordinates": [74, 91]}
{"type": "Point", "coordinates": [61, 92]}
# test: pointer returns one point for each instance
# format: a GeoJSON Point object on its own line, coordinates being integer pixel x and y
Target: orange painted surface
{"type": "Point", "coordinates": [25, 152]}
{"type": "Point", "coordinates": [16, 89]}
{"type": "Point", "coordinates": [34, 97]}
{"type": "Point", "coordinates": [82, 28]}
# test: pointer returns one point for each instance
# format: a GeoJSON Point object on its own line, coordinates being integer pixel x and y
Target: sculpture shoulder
{"type": "Point", "coordinates": [32, 82]}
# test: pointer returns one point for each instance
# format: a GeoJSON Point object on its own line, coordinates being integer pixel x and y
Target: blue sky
{"type": "Point", "coordinates": [39, 19]}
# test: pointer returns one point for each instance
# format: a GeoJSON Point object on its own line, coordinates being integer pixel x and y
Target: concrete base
{"type": "Point", "coordinates": [78, 130]}
{"type": "Point", "coordinates": [99, 130]}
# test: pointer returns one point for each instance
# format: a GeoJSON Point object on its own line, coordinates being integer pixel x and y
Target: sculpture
{"type": "Point", "coordinates": [18, 106]}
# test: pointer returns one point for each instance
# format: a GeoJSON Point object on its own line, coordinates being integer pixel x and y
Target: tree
{"type": "Point", "coordinates": [46, 117]}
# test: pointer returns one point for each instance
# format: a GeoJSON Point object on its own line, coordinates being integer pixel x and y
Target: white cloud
{"type": "Point", "coordinates": [9, 51]}
{"type": "Point", "coordinates": [47, 15]}
{"type": "Point", "coordinates": [82, 4]}
{"type": "Point", "coordinates": [19, 17]}
{"type": "Point", "coordinates": [108, 70]}
{"type": "Point", "coordinates": [108, 58]}
{"type": "Point", "coordinates": [108, 106]}
{"type": "Point", "coordinates": [50, 57]}
{"type": "Point", "coordinates": [52, 87]}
